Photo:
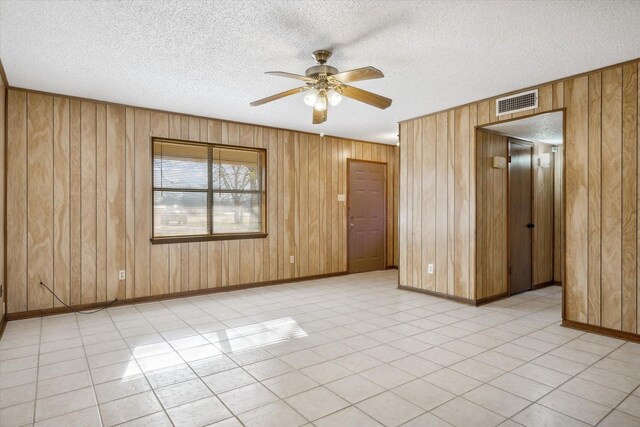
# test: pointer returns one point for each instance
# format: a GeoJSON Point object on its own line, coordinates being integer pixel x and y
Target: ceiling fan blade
{"type": "Point", "coordinates": [319, 116]}
{"type": "Point", "coordinates": [278, 96]}
{"type": "Point", "coordinates": [366, 97]}
{"type": "Point", "coordinates": [366, 73]}
{"type": "Point", "coordinates": [291, 76]}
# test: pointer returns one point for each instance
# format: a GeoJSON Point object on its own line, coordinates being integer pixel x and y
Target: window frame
{"type": "Point", "coordinates": [209, 191]}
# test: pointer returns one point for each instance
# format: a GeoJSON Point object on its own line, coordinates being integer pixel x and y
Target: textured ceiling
{"type": "Point", "coordinates": [545, 128]}
{"type": "Point", "coordinates": [208, 57]}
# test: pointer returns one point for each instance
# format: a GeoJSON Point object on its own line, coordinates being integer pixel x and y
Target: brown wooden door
{"type": "Point", "coordinates": [366, 216]}
{"type": "Point", "coordinates": [520, 216]}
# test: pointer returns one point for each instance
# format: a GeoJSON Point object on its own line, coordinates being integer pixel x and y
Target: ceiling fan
{"type": "Point", "coordinates": [326, 86]}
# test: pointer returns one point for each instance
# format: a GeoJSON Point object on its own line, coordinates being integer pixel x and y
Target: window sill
{"type": "Point", "coordinates": [211, 238]}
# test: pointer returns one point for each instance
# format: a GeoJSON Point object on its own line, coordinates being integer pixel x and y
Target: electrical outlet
{"type": "Point", "coordinates": [292, 259]}
{"type": "Point", "coordinates": [430, 269]}
{"type": "Point", "coordinates": [121, 275]}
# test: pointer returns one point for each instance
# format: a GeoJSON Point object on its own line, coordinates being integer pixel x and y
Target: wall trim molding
{"type": "Point", "coordinates": [601, 330]}
{"type": "Point", "coordinates": [164, 297]}
{"type": "Point", "coordinates": [462, 300]}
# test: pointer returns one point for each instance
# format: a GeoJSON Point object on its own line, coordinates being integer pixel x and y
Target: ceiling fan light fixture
{"type": "Point", "coordinates": [321, 102]}
{"type": "Point", "coordinates": [311, 97]}
{"type": "Point", "coordinates": [325, 85]}
{"type": "Point", "coordinates": [334, 97]}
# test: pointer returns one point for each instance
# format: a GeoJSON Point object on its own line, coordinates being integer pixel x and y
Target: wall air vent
{"type": "Point", "coordinates": [519, 102]}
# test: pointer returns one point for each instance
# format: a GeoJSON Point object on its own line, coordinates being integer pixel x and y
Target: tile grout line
{"type": "Point", "coordinates": [35, 398]}
{"type": "Point", "coordinates": [615, 408]}
{"type": "Point", "coordinates": [93, 388]}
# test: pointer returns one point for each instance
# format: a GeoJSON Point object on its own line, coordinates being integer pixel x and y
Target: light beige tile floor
{"type": "Point", "coordinates": [343, 351]}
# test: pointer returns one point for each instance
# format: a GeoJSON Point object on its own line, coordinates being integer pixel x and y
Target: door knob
{"type": "Point", "coordinates": [530, 225]}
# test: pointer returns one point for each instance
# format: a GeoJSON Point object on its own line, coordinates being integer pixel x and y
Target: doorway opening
{"type": "Point", "coordinates": [519, 205]}
{"type": "Point", "coordinates": [366, 215]}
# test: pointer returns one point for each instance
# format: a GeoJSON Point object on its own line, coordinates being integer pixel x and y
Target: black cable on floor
{"type": "Point", "coordinates": [79, 311]}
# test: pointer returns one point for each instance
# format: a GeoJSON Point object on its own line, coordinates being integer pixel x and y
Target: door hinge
{"type": "Point", "coordinates": [509, 159]}
{"type": "Point", "coordinates": [1, 290]}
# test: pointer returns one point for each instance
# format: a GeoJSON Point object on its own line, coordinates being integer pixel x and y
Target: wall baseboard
{"type": "Point", "coordinates": [163, 297]}
{"type": "Point", "coordinates": [547, 284]}
{"type": "Point", "coordinates": [601, 330]}
{"type": "Point", "coordinates": [462, 300]}
{"type": "Point", "coordinates": [487, 300]}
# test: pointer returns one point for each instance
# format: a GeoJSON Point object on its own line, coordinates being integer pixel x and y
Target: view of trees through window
{"type": "Point", "coordinates": [205, 189]}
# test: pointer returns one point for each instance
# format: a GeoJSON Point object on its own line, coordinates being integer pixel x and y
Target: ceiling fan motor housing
{"type": "Point", "coordinates": [317, 70]}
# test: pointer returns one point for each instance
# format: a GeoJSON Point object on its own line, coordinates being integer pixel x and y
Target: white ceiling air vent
{"type": "Point", "coordinates": [519, 102]}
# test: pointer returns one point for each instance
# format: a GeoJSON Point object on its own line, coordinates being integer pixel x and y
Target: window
{"type": "Point", "coordinates": [207, 191]}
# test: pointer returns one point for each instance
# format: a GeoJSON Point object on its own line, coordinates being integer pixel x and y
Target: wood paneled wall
{"type": "Point", "coordinates": [79, 197]}
{"type": "Point", "coordinates": [491, 216]}
{"type": "Point", "coordinates": [601, 196]}
{"type": "Point", "coordinates": [558, 215]}
{"type": "Point", "coordinates": [543, 215]}
{"type": "Point", "coordinates": [436, 210]}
